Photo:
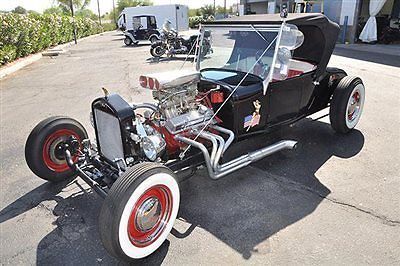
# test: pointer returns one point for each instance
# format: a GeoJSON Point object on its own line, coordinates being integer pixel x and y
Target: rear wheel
{"type": "Point", "coordinates": [43, 149]}
{"type": "Point", "coordinates": [153, 39]}
{"type": "Point", "coordinates": [347, 104]}
{"type": "Point", "coordinates": [139, 211]}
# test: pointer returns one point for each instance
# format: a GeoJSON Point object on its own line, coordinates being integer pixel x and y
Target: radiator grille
{"type": "Point", "coordinates": [109, 135]}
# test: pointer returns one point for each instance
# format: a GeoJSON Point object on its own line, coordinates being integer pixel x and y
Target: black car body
{"type": "Point", "coordinates": [144, 28]}
{"type": "Point", "coordinates": [286, 100]}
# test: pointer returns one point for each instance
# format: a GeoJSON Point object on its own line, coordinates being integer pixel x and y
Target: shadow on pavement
{"type": "Point", "coordinates": [75, 239]}
{"type": "Point", "coordinates": [248, 207]}
{"type": "Point", "coordinates": [379, 58]}
{"type": "Point", "coordinates": [243, 210]}
{"type": "Point", "coordinates": [152, 60]}
{"type": "Point", "coordinates": [137, 45]}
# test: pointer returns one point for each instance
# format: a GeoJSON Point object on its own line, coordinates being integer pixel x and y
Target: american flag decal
{"type": "Point", "coordinates": [251, 121]}
{"type": "Point", "coordinates": [254, 119]}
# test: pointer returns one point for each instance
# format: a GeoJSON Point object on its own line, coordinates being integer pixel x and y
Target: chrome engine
{"type": "Point", "coordinates": [176, 95]}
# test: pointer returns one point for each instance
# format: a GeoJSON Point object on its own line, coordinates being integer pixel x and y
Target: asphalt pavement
{"type": "Point", "coordinates": [333, 201]}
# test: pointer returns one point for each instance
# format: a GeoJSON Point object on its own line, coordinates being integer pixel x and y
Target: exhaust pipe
{"type": "Point", "coordinates": [215, 170]}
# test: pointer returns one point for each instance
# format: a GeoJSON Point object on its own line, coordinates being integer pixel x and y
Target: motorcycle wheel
{"type": "Point", "coordinates": [204, 51]}
{"type": "Point", "coordinates": [157, 49]}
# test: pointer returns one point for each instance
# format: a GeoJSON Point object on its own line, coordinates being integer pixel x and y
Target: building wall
{"type": "Point", "coordinates": [333, 9]}
{"type": "Point", "coordinates": [261, 6]}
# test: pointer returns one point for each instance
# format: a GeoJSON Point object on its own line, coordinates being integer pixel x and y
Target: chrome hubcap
{"type": "Point", "coordinates": [148, 214]}
{"type": "Point", "coordinates": [353, 108]}
{"type": "Point", "coordinates": [54, 154]}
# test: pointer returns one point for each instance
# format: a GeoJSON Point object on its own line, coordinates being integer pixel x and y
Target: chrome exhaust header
{"type": "Point", "coordinates": [219, 146]}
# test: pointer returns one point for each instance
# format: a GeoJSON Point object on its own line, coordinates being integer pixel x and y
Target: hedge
{"type": "Point", "coordinates": [21, 35]}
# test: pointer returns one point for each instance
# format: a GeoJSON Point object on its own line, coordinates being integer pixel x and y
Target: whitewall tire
{"type": "Point", "coordinates": [139, 211]}
{"type": "Point", "coordinates": [347, 104]}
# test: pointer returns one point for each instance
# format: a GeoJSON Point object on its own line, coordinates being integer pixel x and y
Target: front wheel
{"type": "Point", "coordinates": [139, 211]}
{"type": "Point", "coordinates": [347, 104]}
{"type": "Point", "coordinates": [44, 147]}
{"type": "Point", "coordinates": [128, 41]}
{"type": "Point", "coordinates": [157, 49]}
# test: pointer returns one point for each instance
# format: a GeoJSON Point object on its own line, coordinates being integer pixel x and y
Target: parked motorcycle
{"type": "Point", "coordinates": [171, 43]}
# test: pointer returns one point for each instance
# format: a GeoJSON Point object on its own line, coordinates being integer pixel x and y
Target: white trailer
{"type": "Point", "coordinates": [177, 14]}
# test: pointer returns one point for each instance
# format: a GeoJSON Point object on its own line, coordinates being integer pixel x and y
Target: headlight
{"type": "Point", "coordinates": [153, 146]}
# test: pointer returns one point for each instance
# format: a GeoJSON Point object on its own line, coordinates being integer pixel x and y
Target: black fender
{"type": "Point", "coordinates": [159, 43]}
{"type": "Point", "coordinates": [130, 35]}
{"type": "Point", "coordinates": [323, 91]}
{"type": "Point", "coordinates": [155, 35]}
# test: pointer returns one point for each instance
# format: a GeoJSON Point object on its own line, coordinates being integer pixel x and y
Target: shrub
{"type": "Point", "coordinates": [21, 35]}
{"type": "Point", "coordinates": [109, 26]}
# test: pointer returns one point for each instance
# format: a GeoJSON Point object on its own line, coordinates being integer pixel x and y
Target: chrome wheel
{"type": "Point", "coordinates": [159, 51]}
{"type": "Point", "coordinates": [150, 216]}
{"type": "Point", "coordinates": [355, 105]}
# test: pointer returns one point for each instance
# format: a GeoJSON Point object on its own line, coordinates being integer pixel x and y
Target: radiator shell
{"type": "Point", "coordinates": [113, 122]}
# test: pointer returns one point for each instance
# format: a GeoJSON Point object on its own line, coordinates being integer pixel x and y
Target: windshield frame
{"type": "Point", "coordinates": [255, 27]}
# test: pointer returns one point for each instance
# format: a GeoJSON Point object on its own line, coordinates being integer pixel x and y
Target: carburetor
{"type": "Point", "coordinates": [176, 93]}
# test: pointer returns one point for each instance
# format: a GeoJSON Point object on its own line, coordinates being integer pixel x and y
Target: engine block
{"type": "Point", "coordinates": [176, 93]}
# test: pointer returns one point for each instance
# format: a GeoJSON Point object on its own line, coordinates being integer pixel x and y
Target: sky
{"type": "Point", "coordinates": [105, 5]}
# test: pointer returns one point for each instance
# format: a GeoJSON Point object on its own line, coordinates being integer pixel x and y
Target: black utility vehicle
{"type": "Point", "coordinates": [265, 72]}
{"type": "Point", "coordinates": [144, 28]}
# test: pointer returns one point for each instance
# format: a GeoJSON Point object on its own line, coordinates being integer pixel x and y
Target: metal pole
{"type": "Point", "coordinates": [98, 9]}
{"type": "Point", "coordinates": [115, 20]}
{"type": "Point", "coordinates": [214, 8]}
{"type": "Point", "coordinates": [346, 22]}
{"type": "Point", "coordinates": [73, 20]}
{"type": "Point", "coordinates": [224, 8]}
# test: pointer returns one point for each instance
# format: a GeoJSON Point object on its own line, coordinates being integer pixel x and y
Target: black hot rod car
{"type": "Point", "coordinates": [265, 72]}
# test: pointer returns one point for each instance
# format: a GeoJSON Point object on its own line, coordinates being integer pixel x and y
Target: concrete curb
{"type": "Point", "coordinates": [25, 61]}
{"type": "Point", "coordinates": [18, 64]}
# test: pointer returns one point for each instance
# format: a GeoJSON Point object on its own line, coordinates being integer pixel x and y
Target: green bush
{"type": "Point", "coordinates": [21, 35]}
{"type": "Point", "coordinates": [109, 26]}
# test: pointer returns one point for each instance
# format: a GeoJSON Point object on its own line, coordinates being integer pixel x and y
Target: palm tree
{"type": "Point", "coordinates": [78, 4]}
{"type": "Point", "coordinates": [207, 10]}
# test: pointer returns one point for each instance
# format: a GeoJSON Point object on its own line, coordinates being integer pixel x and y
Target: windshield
{"type": "Point", "coordinates": [261, 50]}
{"type": "Point", "coordinates": [241, 48]}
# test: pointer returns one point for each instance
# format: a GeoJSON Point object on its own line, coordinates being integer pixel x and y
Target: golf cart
{"type": "Point", "coordinates": [144, 28]}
